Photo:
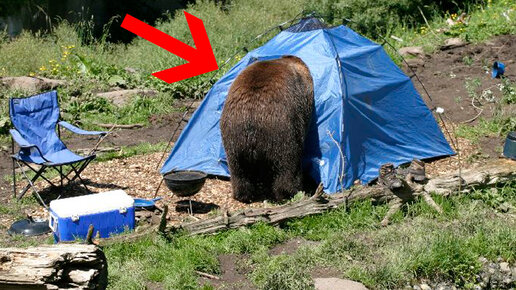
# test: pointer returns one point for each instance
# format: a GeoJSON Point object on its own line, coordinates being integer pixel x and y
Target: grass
{"type": "Point", "coordinates": [95, 65]}
{"type": "Point", "coordinates": [419, 244]}
{"type": "Point", "coordinates": [502, 120]}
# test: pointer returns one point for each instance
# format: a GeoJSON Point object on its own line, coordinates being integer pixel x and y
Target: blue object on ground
{"type": "Point", "coordinates": [367, 111]}
{"type": "Point", "coordinates": [145, 203]}
{"type": "Point", "coordinates": [498, 69]}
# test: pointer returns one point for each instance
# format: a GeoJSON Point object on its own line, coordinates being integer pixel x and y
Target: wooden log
{"type": "Point", "coordinates": [496, 171]}
{"type": "Point", "coordinates": [53, 267]}
{"type": "Point", "coordinates": [500, 170]}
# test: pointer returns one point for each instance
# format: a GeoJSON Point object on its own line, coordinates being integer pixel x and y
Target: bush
{"type": "Point", "coordinates": [376, 18]}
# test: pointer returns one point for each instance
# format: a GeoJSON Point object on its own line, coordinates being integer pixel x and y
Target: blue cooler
{"type": "Point", "coordinates": [109, 212]}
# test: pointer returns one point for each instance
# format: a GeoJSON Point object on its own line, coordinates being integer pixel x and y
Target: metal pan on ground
{"type": "Point", "coordinates": [140, 203]}
{"type": "Point", "coordinates": [185, 182]}
{"type": "Point", "coordinates": [29, 227]}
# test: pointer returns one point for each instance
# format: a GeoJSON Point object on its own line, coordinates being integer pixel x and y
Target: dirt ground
{"type": "Point", "coordinates": [444, 75]}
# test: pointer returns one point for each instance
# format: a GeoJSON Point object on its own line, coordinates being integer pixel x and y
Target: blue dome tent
{"type": "Point", "coordinates": [367, 111]}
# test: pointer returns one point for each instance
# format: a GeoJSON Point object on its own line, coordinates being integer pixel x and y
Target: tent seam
{"type": "Point", "coordinates": [343, 89]}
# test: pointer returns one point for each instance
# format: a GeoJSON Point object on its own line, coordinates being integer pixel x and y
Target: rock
{"type": "Point", "coordinates": [337, 284]}
{"type": "Point", "coordinates": [453, 43]}
{"type": "Point", "coordinates": [444, 286]}
{"type": "Point", "coordinates": [120, 98]}
{"type": "Point", "coordinates": [31, 84]}
{"type": "Point", "coordinates": [130, 70]}
{"type": "Point", "coordinates": [504, 267]}
{"type": "Point", "coordinates": [412, 50]}
{"type": "Point", "coordinates": [415, 62]}
{"type": "Point", "coordinates": [425, 286]}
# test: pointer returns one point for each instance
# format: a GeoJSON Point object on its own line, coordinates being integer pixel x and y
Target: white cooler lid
{"type": "Point", "coordinates": [91, 203]}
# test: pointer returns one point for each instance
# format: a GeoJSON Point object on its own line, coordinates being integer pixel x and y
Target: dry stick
{"type": "Point", "coordinates": [341, 177]}
{"type": "Point", "coordinates": [163, 221]}
{"type": "Point", "coordinates": [477, 108]}
{"type": "Point", "coordinates": [394, 206]}
{"type": "Point", "coordinates": [128, 126]}
{"type": "Point", "coordinates": [426, 21]}
{"type": "Point", "coordinates": [159, 186]}
{"type": "Point", "coordinates": [89, 236]}
{"type": "Point", "coordinates": [430, 201]}
{"type": "Point", "coordinates": [206, 275]}
{"type": "Point", "coordinates": [100, 141]}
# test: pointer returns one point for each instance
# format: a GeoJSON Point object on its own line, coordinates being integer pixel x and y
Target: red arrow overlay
{"type": "Point", "coordinates": [200, 59]}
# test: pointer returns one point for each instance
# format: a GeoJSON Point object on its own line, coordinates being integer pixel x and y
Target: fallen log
{"type": "Point", "coordinates": [496, 171]}
{"type": "Point", "coordinates": [500, 170]}
{"type": "Point", "coordinates": [53, 267]}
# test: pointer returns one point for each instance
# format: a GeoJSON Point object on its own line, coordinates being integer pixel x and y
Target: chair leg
{"type": "Point", "coordinates": [83, 166]}
{"type": "Point", "coordinates": [77, 174]}
{"type": "Point", "coordinates": [61, 175]}
{"type": "Point", "coordinates": [31, 184]}
{"type": "Point", "coordinates": [14, 179]}
{"type": "Point", "coordinates": [14, 168]}
{"type": "Point", "coordinates": [41, 175]}
{"type": "Point", "coordinates": [31, 181]}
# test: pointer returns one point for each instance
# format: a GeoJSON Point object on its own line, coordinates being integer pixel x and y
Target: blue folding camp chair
{"type": "Point", "coordinates": [35, 120]}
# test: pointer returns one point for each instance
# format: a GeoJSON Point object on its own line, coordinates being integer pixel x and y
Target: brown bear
{"type": "Point", "coordinates": [263, 124]}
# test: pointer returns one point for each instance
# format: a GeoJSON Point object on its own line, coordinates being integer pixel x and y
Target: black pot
{"type": "Point", "coordinates": [185, 182]}
{"type": "Point", "coordinates": [509, 150]}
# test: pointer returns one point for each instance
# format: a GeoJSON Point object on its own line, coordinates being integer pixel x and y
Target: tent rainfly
{"type": "Point", "coordinates": [367, 111]}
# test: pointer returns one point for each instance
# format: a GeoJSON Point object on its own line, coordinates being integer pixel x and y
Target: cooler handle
{"type": "Point", "coordinates": [52, 223]}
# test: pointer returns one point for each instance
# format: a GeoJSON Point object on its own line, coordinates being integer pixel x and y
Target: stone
{"type": "Point", "coordinates": [444, 286]}
{"type": "Point", "coordinates": [453, 43]}
{"type": "Point", "coordinates": [425, 286]}
{"type": "Point", "coordinates": [120, 98]}
{"type": "Point", "coordinates": [130, 70]}
{"type": "Point", "coordinates": [337, 284]}
{"type": "Point", "coordinates": [415, 62]}
{"type": "Point", "coordinates": [504, 267]}
{"type": "Point", "coordinates": [31, 84]}
{"type": "Point", "coordinates": [412, 51]}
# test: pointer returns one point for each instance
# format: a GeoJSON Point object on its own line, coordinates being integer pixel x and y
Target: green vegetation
{"type": "Point", "coordinates": [419, 244]}
{"type": "Point", "coordinates": [502, 120]}
{"type": "Point", "coordinates": [92, 65]}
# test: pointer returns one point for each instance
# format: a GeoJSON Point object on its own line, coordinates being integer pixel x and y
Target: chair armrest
{"type": "Point", "coordinates": [24, 144]}
{"type": "Point", "coordinates": [78, 130]}
{"type": "Point", "coordinates": [17, 137]}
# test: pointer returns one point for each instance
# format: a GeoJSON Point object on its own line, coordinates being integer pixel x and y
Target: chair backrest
{"type": "Point", "coordinates": [36, 118]}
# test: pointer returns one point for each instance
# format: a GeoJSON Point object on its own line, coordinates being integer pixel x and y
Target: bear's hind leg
{"type": "Point", "coordinates": [243, 189]}
{"type": "Point", "coordinates": [286, 185]}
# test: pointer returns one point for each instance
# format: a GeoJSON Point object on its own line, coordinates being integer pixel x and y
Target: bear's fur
{"type": "Point", "coordinates": [263, 124]}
